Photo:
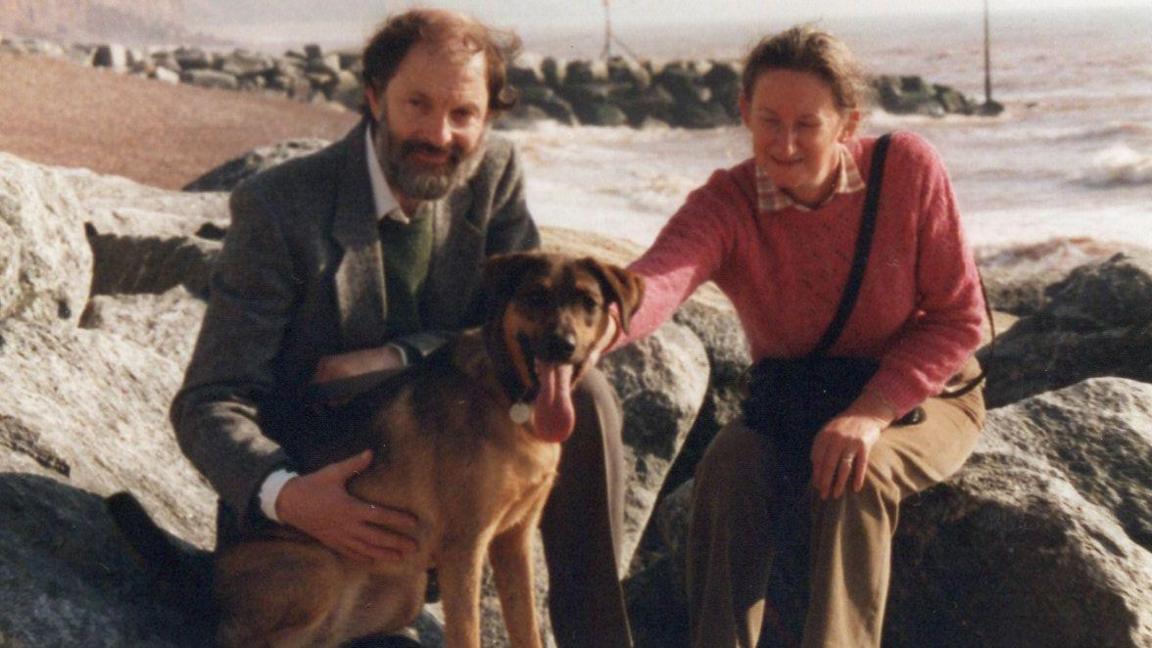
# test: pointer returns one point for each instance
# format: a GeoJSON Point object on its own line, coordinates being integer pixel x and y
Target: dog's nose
{"type": "Point", "coordinates": [557, 347]}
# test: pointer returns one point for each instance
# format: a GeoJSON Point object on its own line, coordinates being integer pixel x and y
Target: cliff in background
{"type": "Point", "coordinates": [128, 20]}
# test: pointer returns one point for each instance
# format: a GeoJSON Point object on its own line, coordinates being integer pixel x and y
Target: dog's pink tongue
{"type": "Point", "coordinates": [553, 414]}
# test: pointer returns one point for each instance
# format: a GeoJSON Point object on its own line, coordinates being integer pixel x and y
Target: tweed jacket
{"type": "Point", "coordinates": [301, 276]}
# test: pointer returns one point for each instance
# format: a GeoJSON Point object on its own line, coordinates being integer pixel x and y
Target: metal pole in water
{"type": "Point", "coordinates": [987, 59]}
{"type": "Point", "coordinates": [607, 30]}
{"type": "Point", "coordinates": [990, 107]}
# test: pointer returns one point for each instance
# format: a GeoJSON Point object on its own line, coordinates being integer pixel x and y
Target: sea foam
{"type": "Point", "coordinates": [1119, 165]}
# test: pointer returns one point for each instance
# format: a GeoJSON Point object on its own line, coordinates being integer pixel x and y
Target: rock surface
{"type": "Point", "coordinates": [1044, 538]}
{"type": "Point", "coordinates": [231, 173]}
{"type": "Point", "coordinates": [661, 382]}
{"type": "Point", "coordinates": [84, 412]}
{"type": "Point", "coordinates": [45, 264]}
{"type": "Point", "coordinates": [1096, 322]}
{"type": "Point", "coordinates": [1056, 500]}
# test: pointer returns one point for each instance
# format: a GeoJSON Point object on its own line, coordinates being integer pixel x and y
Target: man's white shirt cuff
{"type": "Point", "coordinates": [270, 491]}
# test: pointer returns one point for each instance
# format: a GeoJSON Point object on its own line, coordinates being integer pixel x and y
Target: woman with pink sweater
{"type": "Point", "coordinates": [778, 234]}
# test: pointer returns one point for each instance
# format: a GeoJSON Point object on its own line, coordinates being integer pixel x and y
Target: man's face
{"type": "Point", "coordinates": [432, 119]}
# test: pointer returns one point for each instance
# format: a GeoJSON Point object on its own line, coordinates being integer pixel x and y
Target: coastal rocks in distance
{"type": "Point", "coordinates": [1095, 322]}
{"type": "Point", "coordinates": [612, 92]}
{"type": "Point", "coordinates": [1044, 538]}
{"type": "Point", "coordinates": [912, 95]}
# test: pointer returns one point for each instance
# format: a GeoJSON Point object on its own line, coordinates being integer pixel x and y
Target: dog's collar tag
{"type": "Point", "coordinates": [520, 413]}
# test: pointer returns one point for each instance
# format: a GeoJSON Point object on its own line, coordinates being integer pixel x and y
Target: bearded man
{"type": "Point", "coordinates": [359, 259]}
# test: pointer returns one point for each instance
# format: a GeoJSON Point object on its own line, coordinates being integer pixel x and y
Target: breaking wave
{"type": "Point", "coordinates": [1119, 165]}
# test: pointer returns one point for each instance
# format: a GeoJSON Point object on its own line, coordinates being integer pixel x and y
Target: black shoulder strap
{"type": "Point", "coordinates": [863, 248]}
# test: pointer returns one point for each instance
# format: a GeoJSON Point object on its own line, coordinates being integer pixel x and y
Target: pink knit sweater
{"type": "Point", "coordinates": [920, 307]}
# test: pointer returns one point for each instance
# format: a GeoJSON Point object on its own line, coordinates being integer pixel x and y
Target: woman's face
{"type": "Point", "coordinates": [796, 129]}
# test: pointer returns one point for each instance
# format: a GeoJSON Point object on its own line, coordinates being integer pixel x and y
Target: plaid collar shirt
{"type": "Point", "coordinates": [771, 198]}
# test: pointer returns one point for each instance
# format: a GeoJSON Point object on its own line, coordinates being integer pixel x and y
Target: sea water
{"type": "Point", "coordinates": [1064, 173]}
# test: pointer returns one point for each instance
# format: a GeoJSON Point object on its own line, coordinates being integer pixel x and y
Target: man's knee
{"type": "Point", "coordinates": [596, 394]}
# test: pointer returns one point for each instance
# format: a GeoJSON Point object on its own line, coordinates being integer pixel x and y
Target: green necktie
{"type": "Point", "coordinates": [407, 252]}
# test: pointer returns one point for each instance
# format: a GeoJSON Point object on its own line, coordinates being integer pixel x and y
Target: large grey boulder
{"type": "Point", "coordinates": [712, 319]}
{"type": "Point", "coordinates": [164, 75]}
{"type": "Point", "coordinates": [83, 414]}
{"type": "Point", "coordinates": [1016, 276]}
{"type": "Point", "coordinates": [661, 382]}
{"type": "Point", "coordinates": [151, 264]}
{"type": "Point", "coordinates": [144, 239]}
{"type": "Point", "coordinates": [165, 323]}
{"type": "Point", "coordinates": [45, 263]}
{"type": "Point", "coordinates": [1044, 538]}
{"type": "Point", "coordinates": [1096, 322]}
{"type": "Point", "coordinates": [84, 410]}
{"type": "Point", "coordinates": [230, 174]}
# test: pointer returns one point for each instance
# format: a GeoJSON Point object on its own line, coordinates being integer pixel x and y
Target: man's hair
{"type": "Point", "coordinates": [806, 49]}
{"type": "Point", "coordinates": [396, 37]}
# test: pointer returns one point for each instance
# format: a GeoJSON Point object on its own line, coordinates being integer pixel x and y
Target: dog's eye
{"type": "Point", "coordinates": [589, 302]}
{"type": "Point", "coordinates": [534, 299]}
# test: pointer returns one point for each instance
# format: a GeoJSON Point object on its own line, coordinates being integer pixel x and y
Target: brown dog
{"type": "Point", "coordinates": [469, 442]}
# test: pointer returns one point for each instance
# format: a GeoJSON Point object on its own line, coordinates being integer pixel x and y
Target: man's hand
{"type": "Point", "coordinates": [842, 447]}
{"type": "Point", "coordinates": [319, 504]}
{"type": "Point", "coordinates": [356, 363]}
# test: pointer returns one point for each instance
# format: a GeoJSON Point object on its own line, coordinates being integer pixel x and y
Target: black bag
{"type": "Point", "coordinates": [790, 399]}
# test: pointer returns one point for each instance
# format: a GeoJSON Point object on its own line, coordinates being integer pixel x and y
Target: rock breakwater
{"type": "Point", "coordinates": [614, 92]}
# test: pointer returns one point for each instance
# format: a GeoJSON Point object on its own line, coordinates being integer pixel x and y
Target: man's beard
{"type": "Point", "coordinates": [421, 181]}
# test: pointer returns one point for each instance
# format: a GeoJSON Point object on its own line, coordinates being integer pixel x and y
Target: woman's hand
{"type": "Point", "coordinates": [842, 447]}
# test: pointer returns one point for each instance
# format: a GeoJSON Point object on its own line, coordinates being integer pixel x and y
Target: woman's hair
{"type": "Point", "coordinates": [450, 30]}
{"type": "Point", "coordinates": [806, 49]}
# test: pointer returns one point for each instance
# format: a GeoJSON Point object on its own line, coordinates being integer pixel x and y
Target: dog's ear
{"type": "Point", "coordinates": [620, 286]}
{"type": "Point", "coordinates": [502, 274]}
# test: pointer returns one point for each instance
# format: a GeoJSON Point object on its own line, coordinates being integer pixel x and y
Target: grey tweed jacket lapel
{"type": "Point", "coordinates": [449, 265]}
{"type": "Point", "coordinates": [360, 293]}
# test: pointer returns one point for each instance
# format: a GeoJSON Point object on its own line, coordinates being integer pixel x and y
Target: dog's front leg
{"type": "Point", "coordinates": [511, 555]}
{"type": "Point", "coordinates": [459, 571]}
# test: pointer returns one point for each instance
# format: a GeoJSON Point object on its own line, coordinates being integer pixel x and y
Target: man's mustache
{"type": "Point", "coordinates": [410, 146]}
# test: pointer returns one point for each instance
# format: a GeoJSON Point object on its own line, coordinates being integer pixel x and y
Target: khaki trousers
{"type": "Point", "coordinates": [735, 529]}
